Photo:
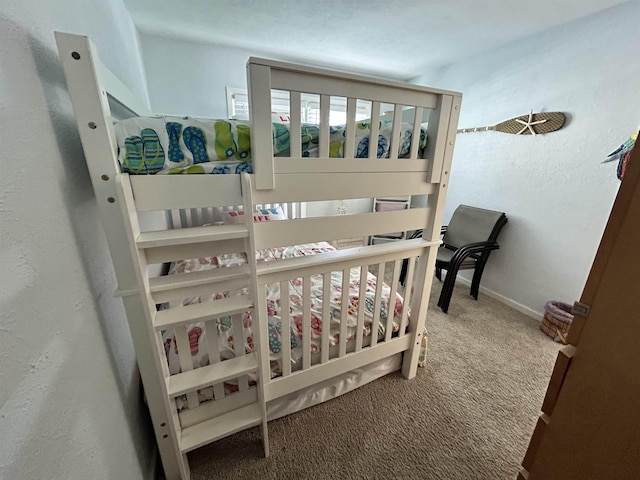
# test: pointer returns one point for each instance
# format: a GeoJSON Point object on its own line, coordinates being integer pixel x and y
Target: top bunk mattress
{"type": "Point", "coordinates": [178, 145]}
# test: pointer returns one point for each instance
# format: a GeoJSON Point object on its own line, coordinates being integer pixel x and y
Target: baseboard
{"type": "Point", "coordinates": [529, 312]}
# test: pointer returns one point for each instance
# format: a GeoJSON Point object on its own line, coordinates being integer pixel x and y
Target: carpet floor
{"type": "Point", "coordinates": [468, 414]}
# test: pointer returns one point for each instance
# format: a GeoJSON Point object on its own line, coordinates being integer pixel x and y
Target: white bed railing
{"type": "Point", "coordinates": [349, 353]}
{"type": "Point", "coordinates": [267, 75]}
{"type": "Point", "coordinates": [194, 217]}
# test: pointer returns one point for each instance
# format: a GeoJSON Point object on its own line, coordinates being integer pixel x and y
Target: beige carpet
{"type": "Point", "coordinates": [468, 415]}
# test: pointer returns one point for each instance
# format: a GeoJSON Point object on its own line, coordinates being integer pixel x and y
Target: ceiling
{"type": "Point", "coordinates": [394, 38]}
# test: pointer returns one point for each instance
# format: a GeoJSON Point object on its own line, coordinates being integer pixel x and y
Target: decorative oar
{"type": "Point", "coordinates": [531, 124]}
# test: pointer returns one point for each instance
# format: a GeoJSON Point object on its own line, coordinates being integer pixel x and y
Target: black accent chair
{"type": "Point", "coordinates": [468, 240]}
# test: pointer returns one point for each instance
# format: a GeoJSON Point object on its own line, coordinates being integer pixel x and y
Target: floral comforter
{"type": "Point", "coordinates": [196, 332]}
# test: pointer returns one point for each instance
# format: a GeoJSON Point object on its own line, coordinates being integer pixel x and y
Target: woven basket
{"type": "Point", "coordinates": [556, 320]}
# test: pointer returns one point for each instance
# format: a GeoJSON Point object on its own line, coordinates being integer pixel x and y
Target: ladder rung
{"type": "Point", "coordinates": [181, 236]}
{"type": "Point", "coordinates": [211, 374]}
{"type": "Point", "coordinates": [172, 253]}
{"type": "Point", "coordinates": [219, 427]}
{"type": "Point", "coordinates": [202, 291]}
{"type": "Point", "coordinates": [194, 279]}
{"type": "Point", "coordinates": [199, 312]}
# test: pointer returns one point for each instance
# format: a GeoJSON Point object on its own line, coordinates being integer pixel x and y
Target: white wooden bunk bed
{"type": "Point", "coordinates": [242, 389]}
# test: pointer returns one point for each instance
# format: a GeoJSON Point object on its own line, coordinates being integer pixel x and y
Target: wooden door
{"type": "Point", "coordinates": [590, 425]}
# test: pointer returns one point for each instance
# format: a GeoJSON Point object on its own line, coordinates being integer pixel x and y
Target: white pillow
{"type": "Point", "coordinates": [262, 215]}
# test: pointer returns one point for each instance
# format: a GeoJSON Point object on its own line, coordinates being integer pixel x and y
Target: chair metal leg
{"type": "Point", "coordinates": [439, 273]}
{"type": "Point", "coordinates": [449, 282]}
{"type": "Point", "coordinates": [445, 297]}
{"type": "Point", "coordinates": [477, 275]}
{"type": "Point", "coordinates": [443, 294]}
{"type": "Point", "coordinates": [475, 283]}
{"type": "Point", "coordinates": [447, 290]}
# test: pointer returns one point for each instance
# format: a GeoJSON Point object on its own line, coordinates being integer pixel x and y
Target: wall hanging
{"type": "Point", "coordinates": [531, 124]}
{"type": "Point", "coordinates": [622, 154]}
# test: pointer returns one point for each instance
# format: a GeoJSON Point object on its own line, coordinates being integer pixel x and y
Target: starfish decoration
{"type": "Point", "coordinates": [528, 124]}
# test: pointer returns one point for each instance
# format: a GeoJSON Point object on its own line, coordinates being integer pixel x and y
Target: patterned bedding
{"type": "Point", "coordinates": [196, 332]}
{"type": "Point", "coordinates": [174, 145]}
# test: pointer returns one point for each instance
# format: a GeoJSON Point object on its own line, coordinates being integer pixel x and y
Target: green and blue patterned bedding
{"type": "Point", "coordinates": [176, 145]}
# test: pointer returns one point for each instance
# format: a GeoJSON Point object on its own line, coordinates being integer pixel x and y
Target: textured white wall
{"type": "Point", "coordinates": [189, 78]}
{"type": "Point", "coordinates": [553, 188]}
{"type": "Point", "coordinates": [70, 397]}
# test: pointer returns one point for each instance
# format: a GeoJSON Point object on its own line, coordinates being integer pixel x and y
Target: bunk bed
{"type": "Point", "coordinates": [216, 352]}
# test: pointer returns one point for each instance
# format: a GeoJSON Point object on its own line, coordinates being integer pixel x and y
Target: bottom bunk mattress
{"type": "Point", "coordinates": [225, 341]}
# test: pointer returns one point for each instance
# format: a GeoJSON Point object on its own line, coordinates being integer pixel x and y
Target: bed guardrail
{"type": "Point", "coordinates": [441, 108]}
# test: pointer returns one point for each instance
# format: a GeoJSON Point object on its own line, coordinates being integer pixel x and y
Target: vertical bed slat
{"type": "Point", "coordinates": [325, 106]}
{"type": "Point", "coordinates": [200, 216]}
{"type": "Point", "coordinates": [188, 218]}
{"type": "Point", "coordinates": [183, 218]}
{"type": "Point", "coordinates": [441, 120]}
{"type": "Point", "coordinates": [196, 219]}
{"type": "Point", "coordinates": [349, 143]}
{"type": "Point", "coordinates": [375, 130]}
{"type": "Point", "coordinates": [326, 317]}
{"type": "Point", "coordinates": [302, 209]}
{"type": "Point", "coordinates": [207, 215]}
{"type": "Point", "coordinates": [289, 210]}
{"type": "Point", "coordinates": [397, 265]}
{"type": "Point", "coordinates": [395, 134]}
{"type": "Point", "coordinates": [375, 325]}
{"type": "Point", "coordinates": [186, 363]}
{"type": "Point", "coordinates": [407, 296]}
{"type": "Point", "coordinates": [239, 348]}
{"type": "Point", "coordinates": [164, 366]}
{"type": "Point", "coordinates": [306, 323]}
{"type": "Point", "coordinates": [211, 332]}
{"type": "Point", "coordinates": [286, 209]}
{"type": "Point", "coordinates": [285, 325]}
{"type": "Point", "coordinates": [257, 293]}
{"type": "Point", "coordinates": [294, 112]}
{"type": "Point", "coordinates": [361, 306]}
{"type": "Point", "coordinates": [415, 135]}
{"type": "Point", "coordinates": [261, 304]}
{"type": "Point", "coordinates": [259, 83]}
{"type": "Point", "coordinates": [344, 311]}
{"type": "Point", "coordinates": [173, 219]}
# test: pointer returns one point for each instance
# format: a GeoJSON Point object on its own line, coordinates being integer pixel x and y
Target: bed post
{"type": "Point", "coordinates": [259, 84]}
{"type": "Point", "coordinates": [443, 121]}
{"type": "Point", "coordinates": [91, 108]}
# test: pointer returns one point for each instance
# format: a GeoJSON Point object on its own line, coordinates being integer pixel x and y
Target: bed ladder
{"type": "Point", "coordinates": [154, 291]}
